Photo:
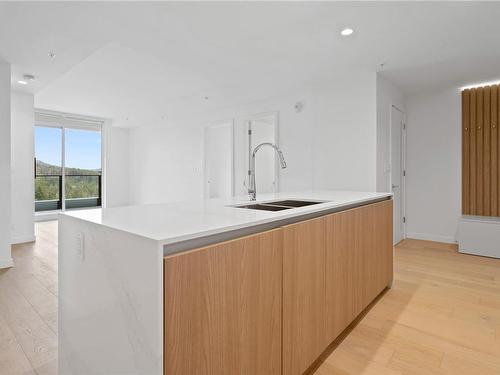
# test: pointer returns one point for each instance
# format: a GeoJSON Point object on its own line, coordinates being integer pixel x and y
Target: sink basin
{"type": "Point", "coordinates": [293, 203]}
{"type": "Point", "coordinates": [264, 207]}
{"type": "Point", "coordinates": [279, 205]}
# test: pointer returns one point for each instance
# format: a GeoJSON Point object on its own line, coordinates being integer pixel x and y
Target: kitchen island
{"type": "Point", "coordinates": [203, 287]}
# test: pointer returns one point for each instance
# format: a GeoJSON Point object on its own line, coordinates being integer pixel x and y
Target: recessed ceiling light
{"type": "Point", "coordinates": [346, 32]}
{"type": "Point", "coordinates": [22, 82]}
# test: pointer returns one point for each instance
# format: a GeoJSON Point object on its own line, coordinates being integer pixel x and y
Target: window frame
{"type": "Point", "coordinates": [64, 121]}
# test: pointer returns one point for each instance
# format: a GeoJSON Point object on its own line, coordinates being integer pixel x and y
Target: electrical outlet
{"type": "Point", "coordinates": [80, 245]}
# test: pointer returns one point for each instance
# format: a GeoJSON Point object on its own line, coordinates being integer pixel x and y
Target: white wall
{"type": "Point", "coordinates": [22, 153]}
{"type": "Point", "coordinates": [5, 165]}
{"type": "Point", "coordinates": [433, 165]}
{"type": "Point", "coordinates": [116, 165]}
{"type": "Point", "coordinates": [167, 158]}
{"type": "Point", "coordinates": [165, 164]}
{"type": "Point", "coordinates": [387, 96]}
{"type": "Point", "coordinates": [344, 138]}
{"type": "Point", "coordinates": [330, 144]}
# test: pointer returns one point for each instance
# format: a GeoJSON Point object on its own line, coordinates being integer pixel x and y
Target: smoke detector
{"type": "Point", "coordinates": [299, 106]}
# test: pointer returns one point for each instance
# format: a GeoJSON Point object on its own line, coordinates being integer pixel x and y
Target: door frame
{"type": "Point", "coordinates": [212, 125]}
{"type": "Point", "coordinates": [403, 139]}
{"type": "Point", "coordinates": [247, 121]}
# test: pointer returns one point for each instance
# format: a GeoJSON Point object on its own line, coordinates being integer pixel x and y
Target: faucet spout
{"type": "Point", "coordinates": [252, 189]}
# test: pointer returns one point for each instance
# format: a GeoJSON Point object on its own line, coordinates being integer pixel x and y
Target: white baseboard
{"type": "Point", "coordinates": [430, 237]}
{"type": "Point", "coordinates": [47, 216]}
{"type": "Point", "coordinates": [22, 239]}
{"type": "Point", "coordinates": [6, 263]}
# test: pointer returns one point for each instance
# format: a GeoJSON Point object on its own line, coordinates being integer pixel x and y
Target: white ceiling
{"type": "Point", "coordinates": [140, 62]}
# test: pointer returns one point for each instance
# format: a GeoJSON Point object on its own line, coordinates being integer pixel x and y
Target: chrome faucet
{"type": "Point", "coordinates": [252, 189]}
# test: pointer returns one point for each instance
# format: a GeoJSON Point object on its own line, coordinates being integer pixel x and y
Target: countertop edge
{"type": "Point", "coordinates": [198, 242]}
{"type": "Point", "coordinates": [284, 216]}
{"type": "Point", "coordinates": [311, 211]}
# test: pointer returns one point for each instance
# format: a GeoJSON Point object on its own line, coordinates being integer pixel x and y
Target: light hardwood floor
{"type": "Point", "coordinates": [28, 306]}
{"type": "Point", "coordinates": [442, 315]}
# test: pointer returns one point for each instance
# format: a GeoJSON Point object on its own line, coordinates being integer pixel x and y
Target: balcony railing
{"type": "Point", "coordinates": [82, 191]}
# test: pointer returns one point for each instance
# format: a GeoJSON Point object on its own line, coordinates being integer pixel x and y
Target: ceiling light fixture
{"type": "Point", "coordinates": [346, 32]}
{"type": "Point", "coordinates": [28, 77]}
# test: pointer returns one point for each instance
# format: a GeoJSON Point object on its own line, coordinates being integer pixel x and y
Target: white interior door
{"type": "Point", "coordinates": [397, 167]}
{"type": "Point", "coordinates": [263, 129]}
{"type": "Point", "coordinates": [219, 160]}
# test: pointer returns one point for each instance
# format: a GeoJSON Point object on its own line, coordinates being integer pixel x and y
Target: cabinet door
{"type": "Point", "coordinates": [342, 279]}
{"type": "Point", "coordinates": [223, 306]}
{"type": "Point", "coordinates": [358, 262]}
{"type": "Point", "coordinates": [376, 248]}
{"type": "Point", "coordinates": [304, 336]}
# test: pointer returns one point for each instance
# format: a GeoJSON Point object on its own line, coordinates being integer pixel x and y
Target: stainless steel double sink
{"type": "Point", "coordinates": [278, 205]}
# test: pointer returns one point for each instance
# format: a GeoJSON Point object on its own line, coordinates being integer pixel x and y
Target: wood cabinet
{"type": "Point", "coordinates": [271, 303]}
{"type": "Point", "coordinates": [359, 262]}
{"type": "Point", "coordinates": [303, 294]}
{"type": "Point", "coordinates": [342, 261]}
{"type": "Point", "coordinates": [223, 308]}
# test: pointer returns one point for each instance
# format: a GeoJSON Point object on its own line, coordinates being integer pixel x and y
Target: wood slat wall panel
{"type": "Point", "coordinates": [465, 152]}
{"type": "Point", "coordinates": [498, 148]}
{"type": "Point", "coordinates": [494, 150]}
{"type": "Point", "coordinates": [486, 152]}
{"type": "Point", "coordinates": [480, 151]}
{"type": "Point", "coordinates": [472, 152]}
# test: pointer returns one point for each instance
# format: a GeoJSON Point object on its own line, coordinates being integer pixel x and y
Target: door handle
{"type": "Point", "coordinates": [395, 186]}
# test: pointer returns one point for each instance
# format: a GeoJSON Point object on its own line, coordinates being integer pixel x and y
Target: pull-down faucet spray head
{"type": "Point", "coordinates": [282, 159]}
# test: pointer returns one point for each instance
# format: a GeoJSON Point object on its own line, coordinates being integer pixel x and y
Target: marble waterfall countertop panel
{"type": "Point", "coordinates": [170, 223]}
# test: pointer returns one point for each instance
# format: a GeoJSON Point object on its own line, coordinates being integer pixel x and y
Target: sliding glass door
{"type": "Point", "coordinates": [68, 172]}
{"type": "Point", "coordinates": [82, 168]}
{"type": "Point", "coordinates": [48, 168]}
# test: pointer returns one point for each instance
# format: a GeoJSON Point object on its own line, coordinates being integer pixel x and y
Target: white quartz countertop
{"type": "Point", "coordinates": [170, 223]}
